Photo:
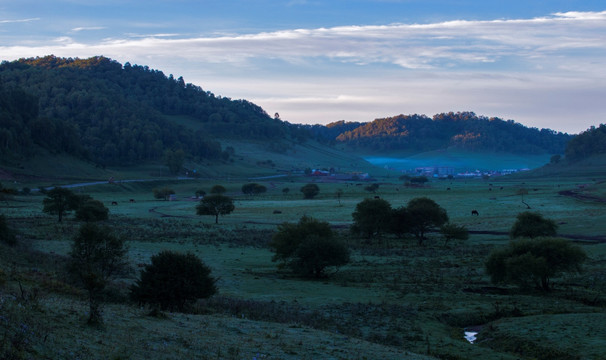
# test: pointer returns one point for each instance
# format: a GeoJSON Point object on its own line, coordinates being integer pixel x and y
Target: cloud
{"type": "Point", "coordinates": [528, 68]}
{"type": "Point", "coordinates": [18, 21]}
{"type": "Point", "coordinates": [88, 28]}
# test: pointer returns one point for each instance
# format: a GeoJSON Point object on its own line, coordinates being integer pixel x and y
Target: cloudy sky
{"type": "Point", "coordinates": [541, 63]}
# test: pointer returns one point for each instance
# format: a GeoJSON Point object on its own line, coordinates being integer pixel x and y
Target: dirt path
{"type": "Point", "coordinates": [581, 195]}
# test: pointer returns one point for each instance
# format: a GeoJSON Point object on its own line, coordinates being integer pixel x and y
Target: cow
{"type": "Point", "coordinates": [132, 200]}
{"type": "Point", "coordinates": [475, 212]}
{"type": "Point", "coordinates": [448, 189]}
{"type": "Point", "coordinates": [377, 197]}
{"type": "Point", "coordinates": [114, 203]}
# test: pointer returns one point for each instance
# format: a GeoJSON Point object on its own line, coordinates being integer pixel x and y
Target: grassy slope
{"type": "Point", "coordinates": [438, 289]}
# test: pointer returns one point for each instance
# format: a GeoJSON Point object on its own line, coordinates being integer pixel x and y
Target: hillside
{"type": "Point", "coordinates": [461, 130]}
{"type": "Point", "coordinates": [116, 114]}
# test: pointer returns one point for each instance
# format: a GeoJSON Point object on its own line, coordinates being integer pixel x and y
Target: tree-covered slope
{"type": "Point", "coordinates": [588, 143]}
{"type": "Point", "coordinates": [464, 130]}
{"type": "Point", "coordinates": [115, 114]}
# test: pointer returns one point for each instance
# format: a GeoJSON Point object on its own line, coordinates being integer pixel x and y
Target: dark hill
{"type": "Point", "coordinates": [113, 114]}
{"type": "Point", "coordinates": [464, 130]}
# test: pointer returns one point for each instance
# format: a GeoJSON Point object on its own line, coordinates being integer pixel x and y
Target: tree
{"type": "Point", "coordinates": [371, 217]}
{"type": "Point", "coordinates": [59, 201]}
{"type": "Point", "coordinates": [163, 193]}
{"type": "Point", "coordinates": [339, 193]}
{"type": "Point", "coordinates": [308, 247]}
{"type": "Point", "coordinates": [310, 191]}
{"type": "Point", "coordinates": [419, 179]}
{"type": "Point", "coordinates": [454, 232]}
{"type": "Point", "coordinates": [523, 192]}
{"type": "Point", "coordinates": [425, 214]}
{"type": "Point", "coordinates": [218, 189]}
{"type": "Point", "coordinates": [174, 160]}
{"type": "Point", "coordinates": [173, 281]}
{"type": "Point", "coordinates": [253, 189]}
{"type": "Point", "coordinates": [531, 225]}
{"type": "Point", "coordinates": [92, 210]}
{"type": "Point", "coordinates": [216, 205]}
{"type": "Point", "coordinates": [529, 262]}
{"type": "Point", "coordinates": [285, 190]}
{"type": "Point", "coordinates": [96, 256]}
{"type": "Point", "coordinates": [400, 221]}
{"type": "Point", "coordinates": [7, 235]}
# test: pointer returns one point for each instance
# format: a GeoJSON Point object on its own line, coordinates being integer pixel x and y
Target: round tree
{"type": "Point", "coordinates": [215, 205]}
{"type": "Point", "coordinates": [530, 262]}
{"type": "Point", "coordinates": [218, 189]}
{"type": "Point", "coordinates": [531, 225]}
{"type": "Point", "coordinates": [310, 191]}
{"type": "Point", "coordinates": [308, 247]}
{"type": "Point", "coordinates": [173, 281]}
{"type": "Point", "coordinates": [59, 201]}
{"type": "Point", "coordinates": [371, 217]}
{"type": "Point", "coordinates": [425, 214]}
{"type": "Point", "coordinates": [92, 210]}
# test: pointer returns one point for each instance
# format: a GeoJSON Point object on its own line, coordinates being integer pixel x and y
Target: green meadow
{"type": "Point", "coordinates": [394, 300]}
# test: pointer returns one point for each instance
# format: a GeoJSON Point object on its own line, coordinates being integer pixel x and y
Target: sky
{"type": "Point", "coordinates": [541, 63]}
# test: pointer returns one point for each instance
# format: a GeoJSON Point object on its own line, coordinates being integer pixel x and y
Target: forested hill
{"type": "Point", "coordinates": [588, 143]}
{"type": "Point", "coordinates": [463, 130]}
{"type": "Point", "coordinates": [115, 114]}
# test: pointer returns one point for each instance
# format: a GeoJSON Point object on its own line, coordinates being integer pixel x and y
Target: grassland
{"type": "Point", "coordinates": [395, 300]}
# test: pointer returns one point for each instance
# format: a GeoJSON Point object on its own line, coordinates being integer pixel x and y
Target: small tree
{"type": "Point", "coordinates": [308, 247]}
{"type": "Point", "coordinates": [59, 201]}
{"type": "Point", "coordinates": [530, 262]}
{"type": "Point", "coordinates": [92, 210]}
{"type": "Point", "coordinates": [96, 257]}
{"type": "Point", "coordinates": [218, 189]}
{"type": "Point", "coordinates": [253, 189]}
{"type": "Point", "coordinates": [173, 281]}
{"type": "Point", "coordinates": [285, 191]}
{"type": "Point", "coordinates": [310, 191]}
{"type": "Point", "coordinates": [425, 214]}
{"type": "Point", "coordinates": [523, 192]}
{"type": "Point", "coordinates": [531, 225]}
{"type": "Point", "coordinates": [163, 193]}
{"type": "Point", "coordinates": [371, 217]}
{"type": "Point", "coordinates": [454, 232]}
{"type": "Point", "coordinates": [339, 193]}
{"type": "Point", "coordinates": [215, 205]}
{"type": "Point", "coordinates": [372, 188]}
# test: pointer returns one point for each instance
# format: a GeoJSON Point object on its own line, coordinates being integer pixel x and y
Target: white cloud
{"type": "Point", "coordinates": [88, 28]}
{"type": "Point", "coordinates": [526, 69]}
{"type": "Point", "coordinates": [18, 21]}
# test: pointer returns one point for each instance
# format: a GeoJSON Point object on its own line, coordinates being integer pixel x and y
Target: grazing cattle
{"type": "Point", "coordinates": [448, 189]}
{"type": "Point", "coordinates": [114, 203]}
{"type": "Point", "coordinates": [475, 212]}
{"type": "Point", "coordinates": [132, 200]}
{"type": "Point", "coordinates": [501, 188]}
{"type": "Point", "coordinates": [277, 212]}
{"type": "Point", "coordinates": [377, 197]}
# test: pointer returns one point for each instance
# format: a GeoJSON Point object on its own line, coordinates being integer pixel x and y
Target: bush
{"type": "Point", "coordinates": [530, 262]}
{"type": "Point", "coordinates": [218, 189]}
{"type": "Point", "coordinates": [173, 281]}
{"type": "Point", "coordinates": [308, 247]}
{"type": "Point", "coordinates": [454, 231]}
{"type": "Point", "coordinates": [425, 214]}
{"type": "Point", "coordinates": [92, 210]}
{"type": "Point", "coordinates": [310, 191]}
{"type": "Point", "coordinates": [253, 189]}
{"type": "Point", "coordinates": [163, 193]}
{"type": "Point", "coordinates": [531, 225]}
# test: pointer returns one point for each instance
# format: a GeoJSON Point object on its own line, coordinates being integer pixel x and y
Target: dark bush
{"type": "Point", "coordinates": [531, 225]}
{"type": "Point", "coordinates": [173, 281]}
{"type": "Point", "coordinates": [92, 210]}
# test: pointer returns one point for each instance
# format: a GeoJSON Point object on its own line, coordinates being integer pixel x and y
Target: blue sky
{"type": "Point", "coordinates": [540, 63]}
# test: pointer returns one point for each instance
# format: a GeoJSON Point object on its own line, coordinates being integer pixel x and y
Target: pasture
{"type": "Point", "coordinates": [395, 299]}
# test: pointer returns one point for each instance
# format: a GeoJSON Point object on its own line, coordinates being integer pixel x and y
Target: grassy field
{"type": "Point", "coordinates": [395, 300]}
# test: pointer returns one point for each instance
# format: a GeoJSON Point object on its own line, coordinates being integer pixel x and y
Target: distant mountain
{"type": "Point", "coordinates": [588, 143]}
{"type": "Point", "coordinates": [114, 114]}
{"type": "Point", "coordinates": [464, 130]}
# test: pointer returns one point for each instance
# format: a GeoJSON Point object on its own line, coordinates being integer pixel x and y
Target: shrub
{"type": "Point", "coordinates": [163, 193]}
{"type": "Point", "coordinates": [310, 191]}
{"type": "Point", "coordinates": [531, 225]}
{"type": "Point", "coordinates": [308, 247]}
{"type": "Point", "coordinates": [92, 210]}
{"type": "Point", "coordinates": [253, 189]}
{"type": "Point", "coordinates": [218, 189]}
{"type": "Point", "coordinates": [59, 201]}
{"type": "Point", "coordinates": [454, 231]}
{"type": "Point", "coordinates": [529, 262]}
{"type": "Point", "coordinates": [173, 281]}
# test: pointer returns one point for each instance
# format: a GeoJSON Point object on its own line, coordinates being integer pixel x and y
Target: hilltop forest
{"type": "Point", "coordinates": [114, 114]}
